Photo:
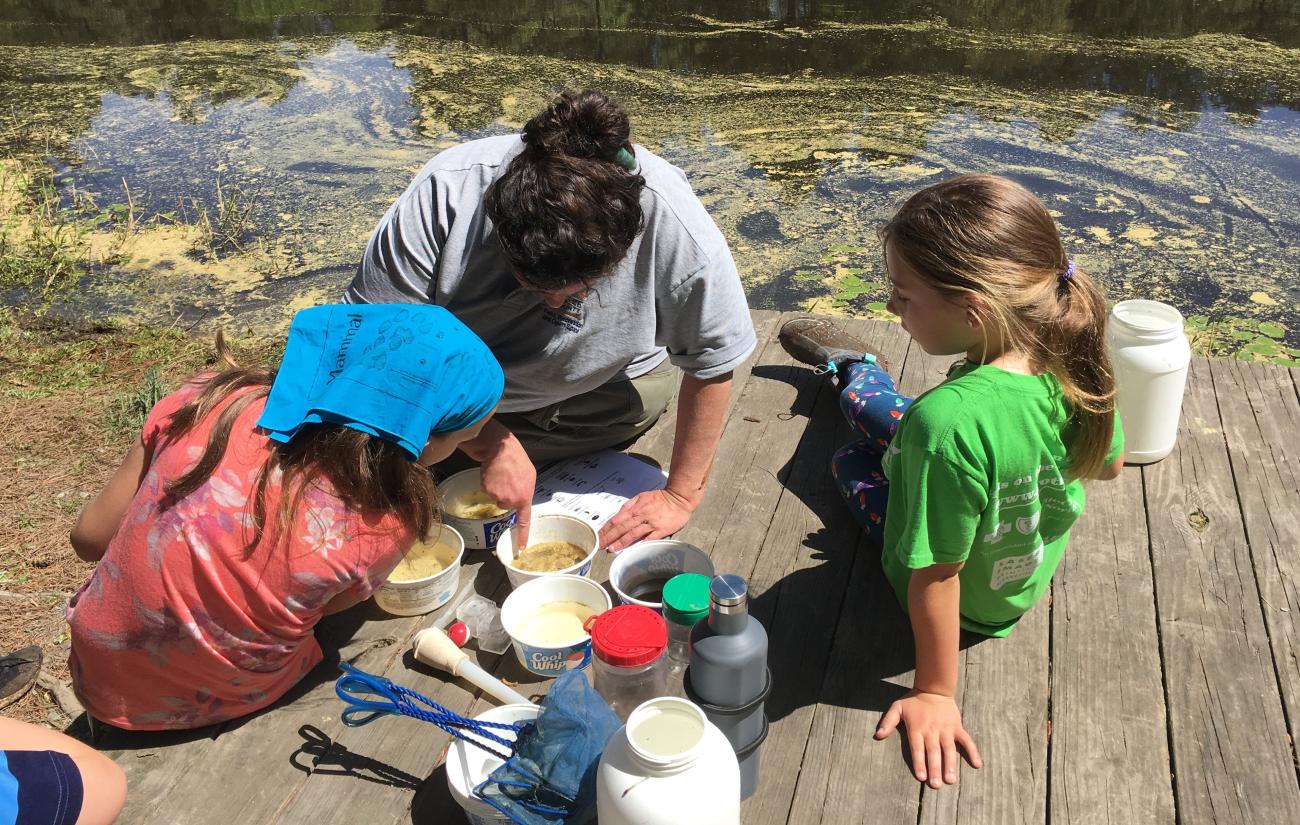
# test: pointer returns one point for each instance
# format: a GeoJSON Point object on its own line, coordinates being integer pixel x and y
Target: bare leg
{"type": "Point", "coordinates": [103, 783]}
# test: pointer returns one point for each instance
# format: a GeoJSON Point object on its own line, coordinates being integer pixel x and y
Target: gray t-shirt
{"type": "Point", "coordinates": [676, 291]}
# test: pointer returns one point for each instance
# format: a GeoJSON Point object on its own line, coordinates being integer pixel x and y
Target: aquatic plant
{"type": "Point", "coordinates": [46, 236]}
{"type": "Point", "coordinates": [1247, 339]}
{"type": "Point", "coordinates": [229, 228]}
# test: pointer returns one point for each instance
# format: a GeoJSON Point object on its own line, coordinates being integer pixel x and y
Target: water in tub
{"type": "Point", "coordinates": [420, 562]}
{"type": "Point", "coordinates": [668, 733]}
{"type": "Point", "coordinates": [477, 505]}
{"type": "Point", "coordinates": [547, 556]}
{"type": "Point", "coordinates": [555, 623]}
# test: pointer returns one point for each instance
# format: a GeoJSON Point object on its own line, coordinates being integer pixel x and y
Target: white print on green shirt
{"type": "Point", "coordinates": [1015, 568]}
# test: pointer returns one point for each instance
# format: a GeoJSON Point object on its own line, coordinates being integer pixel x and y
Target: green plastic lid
{"type": "Point", "coordinates": [686, 598]}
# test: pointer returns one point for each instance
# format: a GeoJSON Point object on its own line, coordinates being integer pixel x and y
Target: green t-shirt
{"type": "Point", "coordinates": [977, 475]}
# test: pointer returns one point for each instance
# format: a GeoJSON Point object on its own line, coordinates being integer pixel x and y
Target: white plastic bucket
{"type": "Point", "coordinates": [653, 563]}
{"type": "Point", "coordinates": [467, 766]}
{"type": "Point", "coordinates": [551, 528]}
{"type": "Point", "coordinates": [682, 771]}
{"type": "Point", "coordinates": [1150, 354]}
{"type": "Point", "coordinates": [551, 660]}
{"type": "Point", "coordinates": [419, 596]}
{"type": "Point", "coordinates": [479, 534]}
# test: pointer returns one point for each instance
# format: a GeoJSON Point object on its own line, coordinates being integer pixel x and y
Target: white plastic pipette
{"type": "Point", "coordinates": [432, 647]}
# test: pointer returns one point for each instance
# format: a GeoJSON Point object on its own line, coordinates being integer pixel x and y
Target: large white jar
{"type": "Point", "coordinates": [1149, 353]}
{"type": "Point", "coordinates": [668, 766]}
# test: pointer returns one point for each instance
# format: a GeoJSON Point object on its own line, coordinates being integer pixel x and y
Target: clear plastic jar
{"type": "Point", "coordinates": [686, 601]}
{"type": "Point", "coordinates": [629, 663]}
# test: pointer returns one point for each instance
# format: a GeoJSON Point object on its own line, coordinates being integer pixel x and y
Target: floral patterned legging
{"type": "Point", "coordinates": [873, 407]}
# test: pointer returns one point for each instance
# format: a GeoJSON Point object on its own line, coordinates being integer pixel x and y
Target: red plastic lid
{"type": "Point", "coordinates": [628, 635]}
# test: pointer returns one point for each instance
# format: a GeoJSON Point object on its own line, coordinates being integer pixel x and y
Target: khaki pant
{"type": "Point", "coordinates": [604, 417]}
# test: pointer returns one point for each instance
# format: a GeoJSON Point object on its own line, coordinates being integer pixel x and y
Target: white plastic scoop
{"type": "Point", "coordinates": [433, 648]}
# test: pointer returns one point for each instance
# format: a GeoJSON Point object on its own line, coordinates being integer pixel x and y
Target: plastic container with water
{"type": "Point", "coordinates": [467, 765]}
{"type": "Point", "coordinates": [1150, 354]}
{"type": "Point", "coordinates": [668, 766]}
{"type": "Point", "coordinates": [414, 597]}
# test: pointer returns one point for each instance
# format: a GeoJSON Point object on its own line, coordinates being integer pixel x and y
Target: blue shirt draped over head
{"type": "Point", "coordinates": [401, 372]}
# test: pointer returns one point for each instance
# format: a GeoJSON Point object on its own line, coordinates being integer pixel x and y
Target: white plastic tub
{"type": "Point", "coordinates": [419, 596]}
{"type": "Point", "coordinates": [571, 654]}
{"type": "Point", "coordinates": [479, 534]}
{"type": "Point", "coordinates": [551, 528]}
{"type": "Point", "coordinates": [652, 564]}
{"type": "Point", "coordinates": [467, 766]}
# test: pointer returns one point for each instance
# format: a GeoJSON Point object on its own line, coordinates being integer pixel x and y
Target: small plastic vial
{"type": "Point", "coordinates": [686, 601]}
{"type": "Point", "coordinates": [629, 663]}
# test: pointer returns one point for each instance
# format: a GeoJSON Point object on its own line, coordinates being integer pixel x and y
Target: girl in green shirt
{"type": "Point", "coordinates": [974, 485]}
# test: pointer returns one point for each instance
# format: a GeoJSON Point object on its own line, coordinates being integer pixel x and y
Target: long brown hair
{"type": "Point", "coordinates": [565, 211]}
{"type": "Point", "coordinates": [367, 473]}
{"type": "Point", "coordinates": [989, 236]}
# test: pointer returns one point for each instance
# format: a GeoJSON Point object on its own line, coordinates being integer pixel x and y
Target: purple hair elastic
{"type": "Point", "coordinates": [1068, 274]}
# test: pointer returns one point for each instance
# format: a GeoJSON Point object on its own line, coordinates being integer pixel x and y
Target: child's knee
{"type": "Point", "coordinates": [103, 788]}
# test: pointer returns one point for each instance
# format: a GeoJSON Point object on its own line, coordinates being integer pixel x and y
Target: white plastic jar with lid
{"type": "Point", "coordinates": [1149, 354]}
{"type": "Point", "coordinates": [667, 766]}
{"type": "Point", "coordinates": [629, 662]}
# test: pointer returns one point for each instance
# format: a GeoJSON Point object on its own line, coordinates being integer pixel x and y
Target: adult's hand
{"type": "Point", "coordinates": [657, 514]}
{"type": "Point", "coordinates": [509, 476]}
{"type": "Point", "coordinates": [654, 514]}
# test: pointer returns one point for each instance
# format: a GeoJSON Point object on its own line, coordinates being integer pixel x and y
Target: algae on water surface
{"type": "Point", "coordinates": [1158, 198]}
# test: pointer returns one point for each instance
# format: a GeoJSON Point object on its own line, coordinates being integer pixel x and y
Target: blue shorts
{"type": "Point", "coordinates": [39, 788]}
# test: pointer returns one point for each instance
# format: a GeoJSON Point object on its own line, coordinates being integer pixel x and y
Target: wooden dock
{"type": "Point", "coordinates": [1159, 684]}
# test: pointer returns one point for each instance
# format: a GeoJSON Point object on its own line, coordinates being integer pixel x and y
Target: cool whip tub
{"type": "Point", "coordinates": [479, 533]}
{"type": "Point", "coordinates": [539, 648]}
{"type": "Point", "coordinates": [413, 597]}
{"type": "Point", "coordinates": [468, 766]}
{"type": "Point", "coordinates": [551, 528]}
{"type": "Point", "coordinates": [639, 573]}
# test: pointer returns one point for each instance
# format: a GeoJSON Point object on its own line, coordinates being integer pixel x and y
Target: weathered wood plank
{"type": "Point", "coordinates": [1109, 743]}
{"type": "Point", "coordinates": [1003, 698]}
{"type": "Point", "coordinates": [408, 750]}
{"type": "Point", "coordinates": [801, 578]}
{"type": "Point", "coordinates": [1232, 763]}
{"type": "Point", "coordinates": [657, 444]}
{"type": "Point", "coordinates": [1261, 419]}
{"type": "Point", "coordinates": [248, 774]}
{"type": "Point", "coordinates": [154, 763]}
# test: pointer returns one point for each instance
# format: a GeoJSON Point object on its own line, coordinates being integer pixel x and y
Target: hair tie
{"type": "Point", "coordinates": [624, 158]}
{"type": "Point", "coordinates": [1068, 274]}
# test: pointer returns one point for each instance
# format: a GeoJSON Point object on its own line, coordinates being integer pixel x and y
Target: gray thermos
{"type": "Point", "coordinates": [728, 675]}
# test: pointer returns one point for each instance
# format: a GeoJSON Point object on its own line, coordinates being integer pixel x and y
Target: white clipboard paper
{"type": "Point", "coordinates": [594, 487]}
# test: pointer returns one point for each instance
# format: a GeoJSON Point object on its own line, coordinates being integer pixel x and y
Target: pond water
{"type": "Point", "coordinates": [1164, 134]}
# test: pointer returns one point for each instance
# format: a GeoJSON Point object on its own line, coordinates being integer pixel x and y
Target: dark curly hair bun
{"type": "Point", "coordinates": [565, 211]}
{"type": "Point", "coordinates": [584, 124]}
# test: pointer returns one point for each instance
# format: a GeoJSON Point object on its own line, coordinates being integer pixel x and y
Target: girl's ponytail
{"type": "Point", "coordinates": [1073, 343]}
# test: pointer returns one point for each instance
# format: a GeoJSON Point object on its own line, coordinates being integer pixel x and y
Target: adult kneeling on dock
{"type": "Point", "coordinates": [590, 268]}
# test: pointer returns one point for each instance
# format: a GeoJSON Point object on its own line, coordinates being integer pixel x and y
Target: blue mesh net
{"type": "Point", "coordinates": [551, 778]}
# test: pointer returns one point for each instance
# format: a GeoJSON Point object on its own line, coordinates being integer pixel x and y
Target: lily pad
{"type": "Point", "coordinates": [1272, 329]}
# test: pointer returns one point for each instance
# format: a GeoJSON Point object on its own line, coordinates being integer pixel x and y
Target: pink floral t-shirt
{"type": "Point", "coordinates": [179, 626]}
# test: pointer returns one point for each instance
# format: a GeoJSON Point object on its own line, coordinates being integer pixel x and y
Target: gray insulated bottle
{"type": "Point", "coordinates": [728, 676]}
{"type": "Point", "coordinates": [728, 665]}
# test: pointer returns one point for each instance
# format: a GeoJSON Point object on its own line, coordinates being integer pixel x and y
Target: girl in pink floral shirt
{"type": "Point", "coordinates": [255, 503]}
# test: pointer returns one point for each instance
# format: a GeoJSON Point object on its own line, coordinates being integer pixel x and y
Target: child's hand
{"type": "Point", "coordinates": [934, 731]}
